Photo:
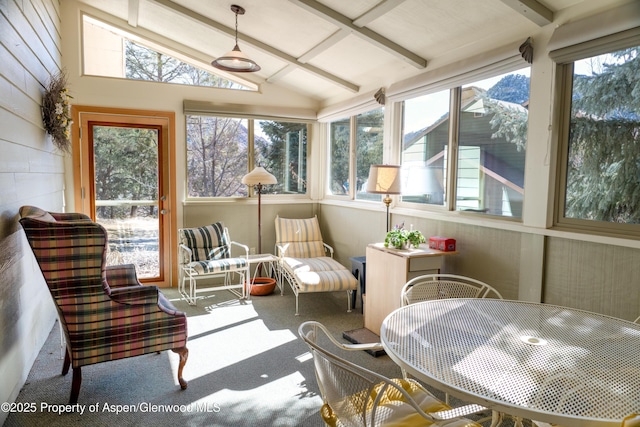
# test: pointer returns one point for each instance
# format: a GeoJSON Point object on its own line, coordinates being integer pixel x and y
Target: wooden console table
{"type": "Point", "coordinates": [387, 270]}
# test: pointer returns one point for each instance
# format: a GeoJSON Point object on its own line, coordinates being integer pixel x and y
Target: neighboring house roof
{"type": "Point", "coordinates": [507, 163]}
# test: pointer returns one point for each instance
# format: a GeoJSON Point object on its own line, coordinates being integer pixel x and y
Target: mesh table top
{"type": "Point", "coordinates": [537, 361]}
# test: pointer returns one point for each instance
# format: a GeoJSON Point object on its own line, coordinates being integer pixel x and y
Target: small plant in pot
{"type": "Point", "coordinates": [401, 238]}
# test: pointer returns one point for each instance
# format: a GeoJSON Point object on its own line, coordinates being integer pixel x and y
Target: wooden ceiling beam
{"type": "Point", "coordinates": [532, 10]}
{"type": "Point", "coordinates": [364, 33]}
{"type": "Point", "coordinates": [376, 12]}
{"type": "Point", "coordinates": [134, 9]}
{"type": "Point", "coordinates": [176, 8]}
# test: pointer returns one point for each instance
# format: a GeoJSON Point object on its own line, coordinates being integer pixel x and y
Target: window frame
{"type": "Point", "coordinates": [251, 161]}
{"type": "Point", "coordinates": [133, 35]}
{"type": "Point", "coordinates": [352, 117]}
{"type": "Point", "coordinates": [564, 94]}
{"type": "Point", "coordinates": [455, 100]}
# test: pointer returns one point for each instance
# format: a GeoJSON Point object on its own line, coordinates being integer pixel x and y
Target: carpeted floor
{"type": "Point", "coordinates": [246, 367]}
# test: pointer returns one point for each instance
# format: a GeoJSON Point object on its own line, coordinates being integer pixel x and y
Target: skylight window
{"type": "Point", "coordinates": [112, 52]}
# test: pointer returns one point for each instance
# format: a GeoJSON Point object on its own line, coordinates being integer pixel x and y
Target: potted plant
{"type": "Point", "coordinates": [401, 238]}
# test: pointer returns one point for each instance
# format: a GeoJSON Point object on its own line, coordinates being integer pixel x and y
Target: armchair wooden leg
{"type": "Point", "coordinates": [184, 354]}
{"type": "Point", "coordinates": [75, 385]}
{"type": "Point", "coordinates": [66, 363]}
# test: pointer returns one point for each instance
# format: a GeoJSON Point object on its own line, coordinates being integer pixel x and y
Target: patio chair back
{"type": "Point", "coordinates": [440, 286]}
{"type": "Point", "coordinates": [207, 243]}
{"type": "Point", "coordinates": [356, 396]}
{"type": "Point", "coordinates": [205, 253]}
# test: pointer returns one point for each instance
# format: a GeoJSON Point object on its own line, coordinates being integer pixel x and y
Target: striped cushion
{"type": "Point", "coordinates": [217, 266]}
{"type": "Point", "coordinates": [321, 274]}
{"type": "Point", "coordinates": [299, 238]}
{"type": "Point", "coordinates": [208, 242]}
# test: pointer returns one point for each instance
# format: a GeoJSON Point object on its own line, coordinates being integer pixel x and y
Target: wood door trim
{"type": "Point", "coordinates": [81, 175]}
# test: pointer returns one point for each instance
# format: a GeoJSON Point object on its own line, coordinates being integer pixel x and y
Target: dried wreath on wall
{"type": "Point", "coordinates": [56, 111]}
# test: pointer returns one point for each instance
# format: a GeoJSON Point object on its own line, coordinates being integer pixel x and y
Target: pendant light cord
{"type": "Point", "coordinates": [236, 28]}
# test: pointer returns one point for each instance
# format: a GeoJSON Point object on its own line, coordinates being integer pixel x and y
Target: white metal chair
{"type": "Point", "coordinates": [637, 320]}
{"type": "Point", "coordinates": [355, 396]}
{"type": "Point", "coordinates": [205, 253]}
{"type": "Point", "coordinates": [304, 261]}
{"type": "Point", "coordinates": [440, 286]}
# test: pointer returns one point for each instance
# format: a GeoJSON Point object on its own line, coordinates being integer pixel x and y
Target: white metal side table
{"type": "Point", "coordinates": [536, 361]}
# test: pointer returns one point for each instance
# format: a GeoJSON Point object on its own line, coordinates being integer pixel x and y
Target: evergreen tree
{"type": "Point", "coordinates": [339, 167]}
{"type": "Point", "coordinates": [603, 168]}
{"type": "Point", "coordinates": [284, 155]}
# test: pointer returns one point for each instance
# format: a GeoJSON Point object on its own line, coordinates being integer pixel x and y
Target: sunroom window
{"type": "Point", "coordinates": [600, 167]}
{"type": "Point", "coordinates": [112, 52]}
{"type": "Point", "coordinates": [490, 142]}
{"type": "Point", "coordinates": [424, 148]}
{"type": "Point", "coordinates": [348, 174]}
{"type": "Point", "coordinates": [220, 150]}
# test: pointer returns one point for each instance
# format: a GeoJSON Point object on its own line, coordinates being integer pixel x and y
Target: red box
{"type": "Point", "coordinates": [444, 244]}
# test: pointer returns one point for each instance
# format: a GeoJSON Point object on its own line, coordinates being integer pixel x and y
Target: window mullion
{"type": "Point", "coordinates": [452, 159]}
{"type": "Point", "coordinates": [352, 156]}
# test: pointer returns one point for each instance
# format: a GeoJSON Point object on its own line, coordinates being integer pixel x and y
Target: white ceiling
{"type": "Point", "coordinates": [332, 49]}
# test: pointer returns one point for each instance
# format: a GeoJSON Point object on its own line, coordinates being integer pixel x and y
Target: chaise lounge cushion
{"type": "Point", "coordinates": [322, 274]}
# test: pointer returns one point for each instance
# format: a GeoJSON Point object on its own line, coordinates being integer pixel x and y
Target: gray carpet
{"type": "Point", "coordinates": [246, 367]}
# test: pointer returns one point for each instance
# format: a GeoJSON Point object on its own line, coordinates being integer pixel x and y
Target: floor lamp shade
{"type": "Point", "coordinates": [259, 177]}
{"type": "Point", "coordinates": [384, 179]}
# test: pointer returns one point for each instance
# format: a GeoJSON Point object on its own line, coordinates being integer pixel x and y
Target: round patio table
{"type": "Point", "coordinates": [536, 361]}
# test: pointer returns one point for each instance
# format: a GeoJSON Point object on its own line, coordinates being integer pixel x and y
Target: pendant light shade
{"type": "Point", "coordinates": [236, 60]}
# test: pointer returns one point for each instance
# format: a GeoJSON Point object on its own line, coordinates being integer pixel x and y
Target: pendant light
{"type": "Point", "coordinates": [236, 60]}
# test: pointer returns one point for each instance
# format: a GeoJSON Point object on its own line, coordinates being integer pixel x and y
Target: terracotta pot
{"type": "Point", "coordinates": [262, 286]}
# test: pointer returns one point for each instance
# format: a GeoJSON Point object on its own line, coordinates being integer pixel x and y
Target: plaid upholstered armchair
{"type": "Point", "coordinates": [105, 313]}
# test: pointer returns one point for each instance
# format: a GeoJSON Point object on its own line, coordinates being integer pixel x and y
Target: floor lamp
{"type": "Point", "coordinates": [259, 177]}
{"type": "Point", "coordinates": [384, 179]}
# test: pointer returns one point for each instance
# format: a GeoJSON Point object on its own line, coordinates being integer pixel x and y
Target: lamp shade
{"type": "Point", "coordinates": [237, 61]}
{"type": "Point", "coordinates": [259, 175]}
{"type": "Point", "coordinates": [384, 179]}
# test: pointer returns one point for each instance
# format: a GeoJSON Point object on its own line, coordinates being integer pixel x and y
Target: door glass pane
{"type": "Point", "coordinates": [126, 195]}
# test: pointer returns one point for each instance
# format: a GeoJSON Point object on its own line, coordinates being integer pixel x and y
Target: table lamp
{"type": "Point", "coordinates": [384, 179]}
{"type": "Point", "coordinates": [259, 177]}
